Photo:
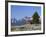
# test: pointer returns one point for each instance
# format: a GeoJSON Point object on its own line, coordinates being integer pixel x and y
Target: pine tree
{"type": "Point", "coordinates": [35, 18]}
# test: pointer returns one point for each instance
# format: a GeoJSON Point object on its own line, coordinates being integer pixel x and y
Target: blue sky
{"type": "Point", "coordinates": [19, 12]}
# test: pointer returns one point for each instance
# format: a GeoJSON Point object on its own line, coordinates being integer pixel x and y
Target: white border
{"type": "Point", "coordinates": [23, 32]}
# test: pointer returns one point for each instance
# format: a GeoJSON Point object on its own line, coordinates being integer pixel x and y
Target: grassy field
{"type": "Point", "coordinates": [26, 27]}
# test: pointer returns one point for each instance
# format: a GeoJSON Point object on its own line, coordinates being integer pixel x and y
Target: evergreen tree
{"type": "Point", "coordinates": [35, 18]}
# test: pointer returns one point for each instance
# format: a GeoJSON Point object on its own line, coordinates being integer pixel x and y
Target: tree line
{"type": "Point", "coordinates": [23, 21]}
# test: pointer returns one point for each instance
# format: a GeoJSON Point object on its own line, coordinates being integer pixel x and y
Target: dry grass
{"type": "Point", "coordinates": [27, 27]}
